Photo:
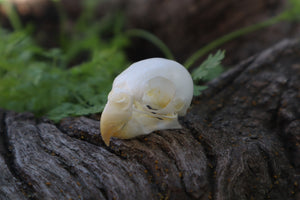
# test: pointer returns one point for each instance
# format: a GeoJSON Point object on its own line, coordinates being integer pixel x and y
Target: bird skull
{"type": "Point", "coordinates": [149, 95]}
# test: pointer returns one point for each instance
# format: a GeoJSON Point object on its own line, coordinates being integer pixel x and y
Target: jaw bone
{"type": "Point", "coordinates": [147, 96]}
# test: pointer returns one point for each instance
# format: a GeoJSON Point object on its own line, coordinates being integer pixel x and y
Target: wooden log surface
{"type": "Point", "coordinates": [240, 141]}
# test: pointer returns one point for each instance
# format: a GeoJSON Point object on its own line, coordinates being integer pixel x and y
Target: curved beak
{"type": "Point", "coordinates": [112, 121]}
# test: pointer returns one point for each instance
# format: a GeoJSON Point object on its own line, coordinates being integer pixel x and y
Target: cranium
{"type": "Point", "coordinates": [149, 95]}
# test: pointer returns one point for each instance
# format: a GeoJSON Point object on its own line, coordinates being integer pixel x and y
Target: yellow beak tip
{"type": "Point", "coordinates": [107, 142]}
{"type": "Point", "coordinates": [105, 137]}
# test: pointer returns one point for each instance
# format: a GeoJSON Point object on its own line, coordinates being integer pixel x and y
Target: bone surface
{"type": "Point", "coordinates": [149, 95]}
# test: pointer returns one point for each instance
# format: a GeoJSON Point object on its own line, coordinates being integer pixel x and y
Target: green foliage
{"type": "Point", "coordinates": [208, 70]}
{"type": "Point", "coordinates": [292, 13]}
{"type": "Point", "coordinates": [37, 80]}
{"type": "Point", "coordinates": [12, 14]}
{"type": "Point", "coordinates": [153, 39]}
{"type": "Point", "coordinates": [211, 67]}
{"type": "Point", "coordinates": [41, 81]}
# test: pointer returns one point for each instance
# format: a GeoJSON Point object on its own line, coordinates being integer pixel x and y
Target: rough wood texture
{"type": "Point", "coordinates": [240, 141]}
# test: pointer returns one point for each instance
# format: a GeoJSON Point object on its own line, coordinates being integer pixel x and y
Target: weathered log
{"type": "Point", "coordinates": [240, 141]}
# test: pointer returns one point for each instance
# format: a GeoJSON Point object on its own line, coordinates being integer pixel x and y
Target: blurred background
{"type": "Point", "coordinates": [58, 58]}
{"type": "Point", "coordinates": [184, 26]}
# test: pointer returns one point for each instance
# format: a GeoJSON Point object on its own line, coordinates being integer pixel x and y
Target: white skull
{"type": "Point", "coordinates": [149, 95]}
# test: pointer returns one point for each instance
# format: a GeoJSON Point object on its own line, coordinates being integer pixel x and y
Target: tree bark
{"type": "Point", "coordinates": [240, 141]}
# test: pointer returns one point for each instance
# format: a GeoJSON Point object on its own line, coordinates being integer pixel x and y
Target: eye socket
{"type": "Point", "coordinates": [159, 92]}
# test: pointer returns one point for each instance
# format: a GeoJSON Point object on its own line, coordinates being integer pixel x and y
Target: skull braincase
{"type": "Point", "coordinates": [150, 94]}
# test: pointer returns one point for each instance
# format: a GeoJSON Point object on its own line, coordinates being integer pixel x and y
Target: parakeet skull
{"type": "Point", "coordinates": [149, 95]}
